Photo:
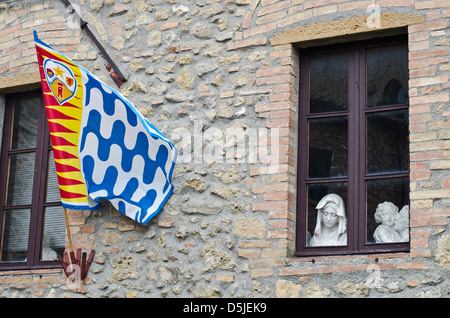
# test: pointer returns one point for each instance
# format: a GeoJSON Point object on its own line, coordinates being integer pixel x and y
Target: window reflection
{"type": "Point", "coordinates": [329, 83]}
{"type": "Point", "coordinates": [53, 243]}
{"type": "Point", "coordinates": [328, 147]}
{"type": "Point", "coordinates": [15, 235]}
{"type": "Point", "coordinates": [52, 193]}
{"type": "Point", "coordinates": [25, 123]}
{"type": "Point", "coordinates": [387, 142]}
{"type": "Point", "coordinates": [387, 75]}
{"type": "Point", "coordinates": [20, 179]}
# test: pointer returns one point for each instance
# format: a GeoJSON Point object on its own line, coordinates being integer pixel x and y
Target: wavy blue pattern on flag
{"type": "Point", "coordinates": [124, 158]}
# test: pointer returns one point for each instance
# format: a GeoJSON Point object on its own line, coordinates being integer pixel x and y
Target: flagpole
{"type": "Point", "coordinates": [69, 236]}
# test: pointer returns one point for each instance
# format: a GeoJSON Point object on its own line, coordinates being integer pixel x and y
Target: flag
{"type": "Point", "coordinates": [102, 146]}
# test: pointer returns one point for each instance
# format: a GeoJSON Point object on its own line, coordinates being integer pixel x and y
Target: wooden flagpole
{"type": "Point", "coordinates": [80, 259]}
{"type": "Point", "coordinates": [69, 236]}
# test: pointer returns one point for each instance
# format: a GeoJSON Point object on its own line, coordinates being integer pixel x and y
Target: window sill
{"type": "Point", "coordinates": [368, 256]}
{"type": "Point", "coordinates": [30, 271]}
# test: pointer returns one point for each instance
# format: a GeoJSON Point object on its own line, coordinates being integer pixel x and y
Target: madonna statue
{"type": "Point", "coordinates": [331, 226]}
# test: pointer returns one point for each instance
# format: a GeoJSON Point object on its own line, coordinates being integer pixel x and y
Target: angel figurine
{"type": "Point", "coordinates": [394, 224]}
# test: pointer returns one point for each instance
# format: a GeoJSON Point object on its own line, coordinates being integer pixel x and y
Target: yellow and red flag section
{"type": "Point", "coordinates": [103, 147]}
{"type": "Point", "coordinates": [63, 98]}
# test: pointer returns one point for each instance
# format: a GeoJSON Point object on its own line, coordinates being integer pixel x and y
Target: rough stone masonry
{"type": "Point", "coordinates": [207, 72]}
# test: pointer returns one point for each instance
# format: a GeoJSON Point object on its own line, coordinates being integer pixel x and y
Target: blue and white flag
{"type": "Point", "coordinates": [103, 147]}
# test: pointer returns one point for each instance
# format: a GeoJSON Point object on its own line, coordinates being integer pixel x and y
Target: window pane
{"type": "Point", "coordinates": [15, 235]}
{"type": "Point", "coordinates": [328, 147]}
{"type": "Point", "coordinates": [387, 142]}
{"type": "Point", "coordinates": [387, 75]}
{"type": "Point", "coordinates": [387, 210]}
{"type": "Point", "coordinates": [53, 243]}
{"type": "Point", "coordinates": [25, 123]}
{"type": "Point", "coordinates": [20, 178]}
{"type": "Point", "coordinates": [52, 193]}
{"type": "Point", "coordinates": [327, 215]}
{"type": "Point", "coordinates": [328, 83]}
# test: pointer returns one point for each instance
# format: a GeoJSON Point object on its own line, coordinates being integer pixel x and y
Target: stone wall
{"type": "Point", "coordinates": [206, 70]}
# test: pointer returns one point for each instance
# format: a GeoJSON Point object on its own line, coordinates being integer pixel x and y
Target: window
{"type": "Point", "coordinates": [353, 154]}
{"type": "Point", "coordinates": [32, 228]}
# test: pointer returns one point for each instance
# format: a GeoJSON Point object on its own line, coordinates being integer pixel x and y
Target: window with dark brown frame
{"type": "Point", "coordinates": [32, 228]}
{"type": "Point", "coordinates": [353, 153]}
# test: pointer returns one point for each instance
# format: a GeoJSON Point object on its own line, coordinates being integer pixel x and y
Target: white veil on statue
{"type": "Point", "coordinates": [337, 235]}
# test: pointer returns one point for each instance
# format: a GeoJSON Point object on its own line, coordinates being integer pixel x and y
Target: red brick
{"type": "Point", "coordinates": [169, 25]}
{"type": "Point", "coordinates": [294, 271]}
{"type": "Point", "coordinates": [247, 19]}
{"type": "Point", "coordinates": [295, 18]}
{"type": "Point", "coordinates": [429, 99]}
{"type": "Point", "coordinates": [414, 64]}
{"type": "Point", "coordinates": [325, 269]}
{"type": "Point", "coordinates": [270, 206]}
{"type": "Point", "coordinates": [273, 79]}
{"type": "Point", "coordinates": [280, 5]}
{"type": "Point", "coordinates": [427, 54]}
{"type": "Point", "coordinates": [282, 187]}
{"type": "Point", "coordinates": [281, 234]}
{"type": "Point", "coordinates": [273, 71]}
{"type": "Point", "coordinates": [431, 4]}
{"type": "Point", "coordinates": [279, 97]}
{"type": "Point", "coordinates": [261, 272]}
{"type": "Point", "coordinates": [280, 225]}
{"type": "Point", "coordinates": [260, 29]}
{"type": "Point", "coordinates": [271, 17]}
{"type": "Point", "coordinates": [412, 265]}
{"type": "Point", "coordinates": [436, 25]}
{"type": "Point", "coordinates": [246, 43]}
{"type": "Point", "coordinates": [422, 175]}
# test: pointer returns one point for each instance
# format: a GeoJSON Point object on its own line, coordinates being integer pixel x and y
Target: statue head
{"type": "Point", "coordinates": [331, 213]}
{"type": "Point", "coordinates": [385, 213]}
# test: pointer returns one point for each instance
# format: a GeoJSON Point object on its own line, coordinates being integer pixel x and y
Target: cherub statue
{"type": "Point", "coordinates": [331, 226]}
{"type": "Point", "coordinates": [401, 223]}
{"type": "Point", "coordinates": [394, 225]}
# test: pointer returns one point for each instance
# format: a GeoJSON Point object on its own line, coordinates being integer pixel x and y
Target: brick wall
{"type": "Point", "coordinates": [229, 229]}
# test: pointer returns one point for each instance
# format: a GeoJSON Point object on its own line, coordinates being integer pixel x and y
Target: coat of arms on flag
{"type": "Point", "coordinates": [60, 79]}
{"type": "Point", "coordinates": [103, 147]}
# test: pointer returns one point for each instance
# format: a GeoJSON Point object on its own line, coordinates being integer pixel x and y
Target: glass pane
{"type": "Point", "coordinates": [25, 123]}
{"type": "Point", "coordinates": [20, 178]}
{"type": "Point", "coordinates": [15, 235]}
{"type": "Point", "coordinates": [52, 194]}
{"type": "Point", "coordinates": [387, 75]}
{"type": "Point", "coordinates": [327, 215]}
{"type": "Point", "coordinates": [328, 147]}
{"type": "Point", "coordinates": [387, 210]}
{"type": "Point", "coordinates": [387, 142]}
{"type": "Point", "coordinates": [54, 240]}
{"type": "Point", "coordinates": [328, 83]}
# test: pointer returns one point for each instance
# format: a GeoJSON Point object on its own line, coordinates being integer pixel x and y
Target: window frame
{"type": "Point", "coordinates": [356, 177]}
{"type": "Point", "coordinates": [38, 204]}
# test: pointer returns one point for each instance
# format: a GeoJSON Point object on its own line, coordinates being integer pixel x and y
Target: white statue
{"type": "Point", "coordinates": [331, 226]}
{"type": "Point", "coordinates": [394, 225]}
{"type": "Point", "coordinates": [401, 223]}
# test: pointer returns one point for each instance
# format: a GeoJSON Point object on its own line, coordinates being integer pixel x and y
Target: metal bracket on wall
{"type": "Point", "coordinates": [116, 74]}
